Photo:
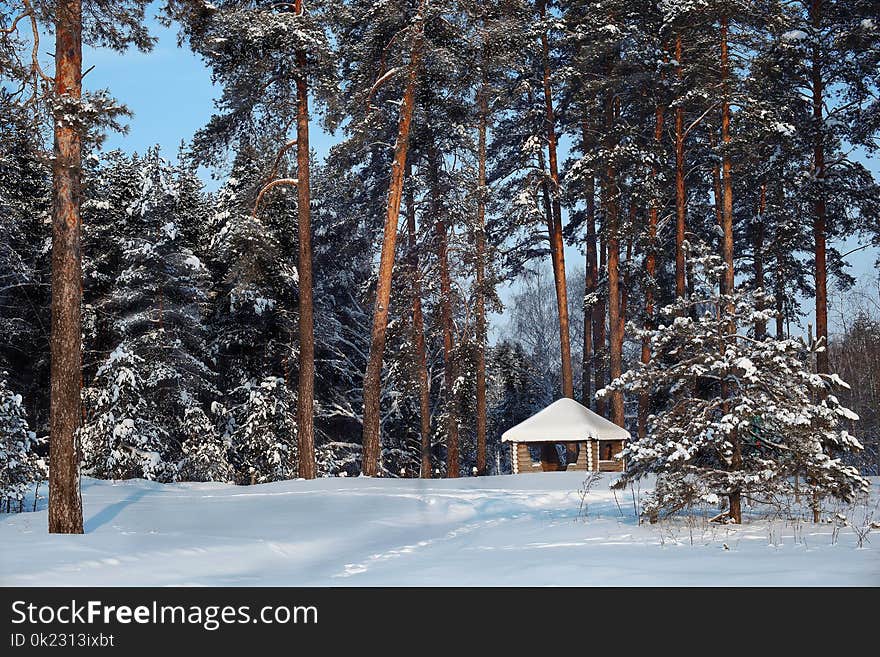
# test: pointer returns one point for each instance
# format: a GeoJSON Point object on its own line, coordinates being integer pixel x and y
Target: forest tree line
{"type": "Point", "coordinates": [319, 317]}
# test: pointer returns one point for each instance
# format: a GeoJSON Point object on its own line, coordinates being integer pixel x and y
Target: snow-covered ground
{"type": "Point", "coordinates": [510, 530]}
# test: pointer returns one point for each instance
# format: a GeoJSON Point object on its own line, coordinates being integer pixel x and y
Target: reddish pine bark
{"type": "Point", "coordinates": [305, 401]}
{"type": "Point", "coordinates": [615, 361]}
{"type": "Point", "coordinates": [65, 406]}
{"type": "Point", "coordinates": [726, 174]}
{"type": "Point", "coordinates": [480, 246]}
{"type": "Point", "coordinates": [557, 246]}
{"type": "Point", "coordinates": [727, 245]}
{"type": "Point", "coordinates": [373, 375]}
{"type": "Point", "coordinates": [615, 326]}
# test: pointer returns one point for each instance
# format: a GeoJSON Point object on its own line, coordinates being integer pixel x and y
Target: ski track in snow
{"type": "Point", "coordinates": [510, 530]}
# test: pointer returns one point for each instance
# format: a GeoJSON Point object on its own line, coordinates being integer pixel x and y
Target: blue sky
{"type": "Point", "coordinates": [169, 90]}
{"type": "Point", "coordinates": [171, 94]}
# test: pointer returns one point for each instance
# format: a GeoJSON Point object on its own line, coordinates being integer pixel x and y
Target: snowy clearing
{"type": "Point", "coordinates": [509, 530]}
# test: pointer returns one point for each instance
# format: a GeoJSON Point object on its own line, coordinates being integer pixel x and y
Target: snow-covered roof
{"type": "Point", "coordinates": [564, 420]}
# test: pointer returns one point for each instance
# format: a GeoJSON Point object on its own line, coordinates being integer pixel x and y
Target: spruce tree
{"type": "Point", "coordinates": [157, 371]}
{"type": "Point", "coordinates": [744, 418]}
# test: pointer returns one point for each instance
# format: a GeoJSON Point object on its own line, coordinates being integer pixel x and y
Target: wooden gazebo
{"type": "Point", "coordinates": [566, 436]}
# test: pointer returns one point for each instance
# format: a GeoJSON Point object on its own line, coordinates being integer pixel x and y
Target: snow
{"type": "Point", "coordinates": [170, 229]}
{"type": "Point", "coordinates": [784, 128]}
{"type": "Point", "coordinates": [747, 366]}
{"type": "Point", "coordinates": [565, 420]}
{"type": "Point", "coordinates": [193, 262]}
{"type": "Point", "coordinates": [794, 35]}
{"type": "Point", "coordinates": [508, 530]}
{"type": "Point", "coordinates": [261, 305]}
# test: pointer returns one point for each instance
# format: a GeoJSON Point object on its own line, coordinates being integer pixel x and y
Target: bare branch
{"type": "Point", "coordinates": [387, 49]}
{"type": "Point", "coordinates": [700, 118]}
{"type": "Point", "coordinates": [269, 186]}
{"type": "Point", "coordinates": [11, 28]}
{"type": "Point", "coordinates": [855, 250]}
{"type": "Point", "coordinates": [377, 84]}
{"type": "Point", "coordinates": [280, 154]}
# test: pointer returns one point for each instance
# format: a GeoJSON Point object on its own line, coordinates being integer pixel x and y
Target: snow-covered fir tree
{"type": "Point", "coordinates": [252, 323]}
{"type": "Point", "coordinates": [25, 210]}
{"type": "Point", "coordinates": [157, 371]}
{"type": "Point", "coordinates": [260, 429]}
{"type": "Point", "coordinates": [736, 415]}
{"type": "Point", "coordinates": [21, 467]}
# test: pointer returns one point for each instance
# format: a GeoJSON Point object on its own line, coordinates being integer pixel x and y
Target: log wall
{"type": "Point", "coordinates": [522, 461]}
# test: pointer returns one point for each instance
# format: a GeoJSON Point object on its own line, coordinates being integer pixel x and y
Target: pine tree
{"type": "Point", "coordinates": [552, 185]}
{"type": "Point", "coordinates": [381, 36]}
{"type": "Point", "coordinates": [65, 504]}
{"type": "Point", "coordinates": [826, 54]}
{"type": "Point", "coordinates": [244, 41]}
{"type": "Point", "coordinates": [206, 450]}
{"type": "Point", "coordinates": [260, 431]}
{"type": "Point", "coordinates": [77, 118]}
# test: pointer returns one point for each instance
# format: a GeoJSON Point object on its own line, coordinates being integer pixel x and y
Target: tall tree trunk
{"type": "Point", "coordinates": [819, 210]}
{"type": "Point", "coordinates": [590, 282]}
{"type": "Point", "coordinates": [615, 360]}
{"type": "Point", "coordinates": [680, 195]}
{"type": "Point", "coordinates": [726, 175]}
{"type": "Point", "coordinates": [373, 375]}
{"type": "Point", "coordinates": [418, 328]}
{"type": "Point", "coordinates": [651, 271]}
{"type": "Point", "coordinates": [727, 244]}
{"type": "Point", "coordinates": [452, 465]}
{"type": "Point", "coordinates": [718, 197]}
{"type": "Point", "coordinates": [758, 256]}
{"type": "Point", "coordinates": [599, 346]}
{"type": "Point", "coordinates": [65, 406]}
{"type": "Point", "coordinates": [305, 400]}
{"type": "Point", "coordinates": [480, 245]}
{"type": "Point", "coordinates": [612, 217]}
{"type": "Point", "coordinates": [557, 246]}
